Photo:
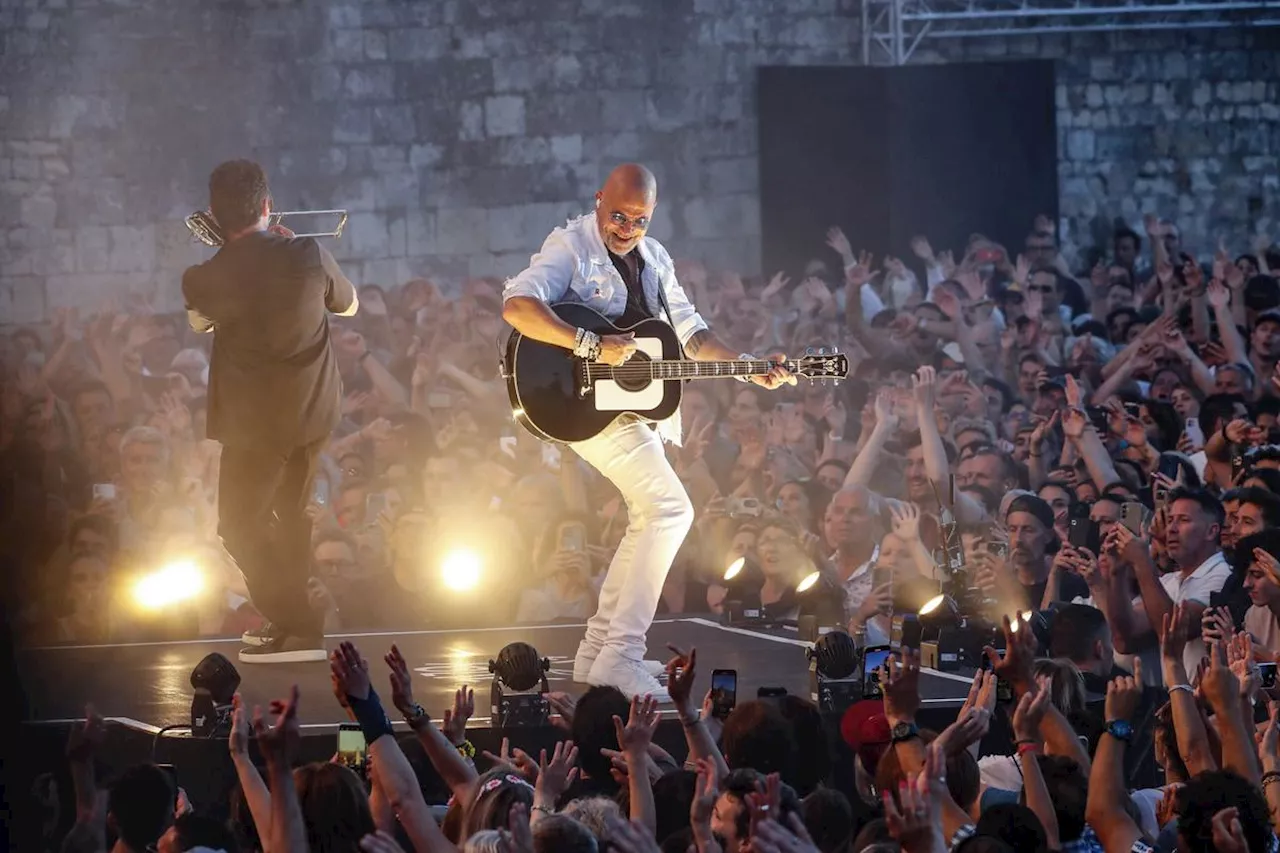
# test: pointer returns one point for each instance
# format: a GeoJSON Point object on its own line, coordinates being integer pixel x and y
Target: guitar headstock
{"type": "Point", "coordinates": [822, 364]}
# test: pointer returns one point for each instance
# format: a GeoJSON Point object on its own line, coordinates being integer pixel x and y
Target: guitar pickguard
{"type": "Point", "coordinates": [609, 396]}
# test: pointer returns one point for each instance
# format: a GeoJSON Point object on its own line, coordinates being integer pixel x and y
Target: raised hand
{"type": "Point", "coordinates": [515, 760]}
{"type": "Point", "coordinates": [351, 670]}
{"type": "Point", "coordinates": [1220, 686]}
{"type": "Point", "coordinates": [454, 724]}
{"type": "Point", "coordinates": [279, 743]}
{"type": "Point", "coordinates": [630, 836]}
{"type": "Point", "coordinates": [1015, 665]}
{"type": "Point", "coordinates": [85, 739]}
{"type": "Point", "coordinates": [635, 736]}
{"type": "Point", "coordinates": [555, 776]}
{"type": "Point", "coordinates": [906, 521]}
{"type": "Point", "coordinates": [401, 681]}
{"type": "Point", "coordinates": [924, 384]}
{"type": "Point", "coordinates": [1228, 834]}
{"type": "Point", "coordinates": [921, 249]}
{"type": "Point", "coordinates": [238, 741]}
{"type": "Point", "coordinates": [563, 705]}
{"type": "Point", "coordinates": [884, 410]}
{"type": "Point", "coordinates": [1219, 296]}
{"type": "Point", "coordinates": [900, 683]}
{"type": "Point", "coordinates": [1030, 711]}
{"type": "Point", "coordinates": [1124, 694]}
{"type": "Point", "coordinates": [681, 673]}
{"type": "Point", "coordinates": [839, 243]}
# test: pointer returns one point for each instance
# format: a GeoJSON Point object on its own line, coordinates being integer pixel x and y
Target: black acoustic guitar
{"type": "Point", "coordinates": [561, 398]}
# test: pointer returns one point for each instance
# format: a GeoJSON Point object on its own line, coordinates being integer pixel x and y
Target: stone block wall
{"type": "Point", "coordinates": [458, 132]}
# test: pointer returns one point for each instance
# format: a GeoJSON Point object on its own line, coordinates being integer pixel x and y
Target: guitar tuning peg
{"type": "Point", "coordinates": [822, 350]}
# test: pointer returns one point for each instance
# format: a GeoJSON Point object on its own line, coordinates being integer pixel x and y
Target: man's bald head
{"type": "Point", "coordinates": [632, 180]}
{"type": "Point", "coordinates": [625, 205]}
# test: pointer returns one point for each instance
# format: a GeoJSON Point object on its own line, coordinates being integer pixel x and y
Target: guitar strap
{"type": "Point", "coordinates": [662, 297]}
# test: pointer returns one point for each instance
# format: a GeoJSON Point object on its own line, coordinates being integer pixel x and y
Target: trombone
{"type": "Point", "coordinates": [205, 228]}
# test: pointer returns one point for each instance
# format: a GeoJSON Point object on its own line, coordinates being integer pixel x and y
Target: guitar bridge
{"type": "Point", "coordinates": [584, 379]}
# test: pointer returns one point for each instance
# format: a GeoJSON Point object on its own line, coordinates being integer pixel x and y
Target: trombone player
{"type": "Point", "coordinates": [274, 398]}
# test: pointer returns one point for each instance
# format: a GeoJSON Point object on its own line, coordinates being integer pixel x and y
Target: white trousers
{"type": "Point", "coordinates": [659, 514]}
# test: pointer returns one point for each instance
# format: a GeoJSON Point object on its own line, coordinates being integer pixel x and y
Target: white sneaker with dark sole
{"type": "Point", "coordinates": [286, 650]}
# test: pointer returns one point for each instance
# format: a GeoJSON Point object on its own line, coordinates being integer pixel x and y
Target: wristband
{"type": "Point", "coordinates": [546, 810]}
{"type": "Point", "coordinates": [1029, 747]}
{"type": "Point", "coordinates": [370, 715]}
{"type": "Point", "coordinates": [1186, 687]}
{"type": "Point", "coordinates": [1269, 777]}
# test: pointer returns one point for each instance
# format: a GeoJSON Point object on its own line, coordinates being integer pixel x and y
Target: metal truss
{"type": "Point", "coordinates": [892, 30]}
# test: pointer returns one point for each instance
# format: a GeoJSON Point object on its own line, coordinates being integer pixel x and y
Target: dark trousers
{"type": "Point", "coordinates": [262, 501]}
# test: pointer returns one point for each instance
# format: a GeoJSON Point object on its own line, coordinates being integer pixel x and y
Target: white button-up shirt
{"type": "Point", "coordinates": [1207, 579]}
{"type": "Point", "coordinates": [574, 266]}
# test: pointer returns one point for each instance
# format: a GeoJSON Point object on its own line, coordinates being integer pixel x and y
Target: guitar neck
{"type": "Point", "coordinates": [689, 369]}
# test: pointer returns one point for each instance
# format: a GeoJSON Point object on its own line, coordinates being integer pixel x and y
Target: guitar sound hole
{"type": "Point", "coordinates": [629, 376]}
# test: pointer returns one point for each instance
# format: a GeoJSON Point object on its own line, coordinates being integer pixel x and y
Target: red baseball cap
{"type": "Point", "coordinates": [865, 729]}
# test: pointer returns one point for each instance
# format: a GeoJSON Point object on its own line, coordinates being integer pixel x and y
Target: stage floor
{"type": "Point", "coordinates": [146, 685]}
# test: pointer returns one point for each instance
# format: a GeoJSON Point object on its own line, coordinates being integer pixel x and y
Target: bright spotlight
{"type": "Point", "coordinates": [461, 570]}
{"type": "Point", "coordinates": [932, 604]}
{"type": "Point", "coordinates": [178, 581]}
{"type": "Point", "coordinates": [808, 582]}
{"type": "Point", "coordinates": [735, 568]}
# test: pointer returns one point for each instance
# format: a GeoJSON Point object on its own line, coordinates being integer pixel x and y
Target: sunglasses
{"type": "Point", "coordinates": [640, 223]}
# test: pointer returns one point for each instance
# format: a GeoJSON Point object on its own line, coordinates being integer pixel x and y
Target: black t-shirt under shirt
{"type": "Point", "coordinates": [636, 309]}
{"type": "Point", "coordinates": [1070, 588]}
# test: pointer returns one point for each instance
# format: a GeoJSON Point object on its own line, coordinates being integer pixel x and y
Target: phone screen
{"type": "Point", "coordinates": [571, 538]}
{"type": "Point", "coordinates": [351, 745]}
{"type": "Point", "coordinates": [1267, 675]}
{"type": "Point", "coordinates": [999, 550]}
{"type": "Point", "coordinates": [320, 492]}
{"type": "Point", "coordinates": [872, 659]}
{"type": "Point", "coordinates": [1170, 467]}
{"type": "Point", "coordinates": [724, 692]}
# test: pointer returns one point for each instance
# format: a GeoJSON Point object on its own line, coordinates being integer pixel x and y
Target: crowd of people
{"type": "Point", "coordinates": [1097, 446]}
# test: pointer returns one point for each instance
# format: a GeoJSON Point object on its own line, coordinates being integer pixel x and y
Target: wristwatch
{"type": "Point", "coordinates": [416, 716]}
{"type": "Point", "coordinates": [466, 749]}
{"type": "Point", "coordinates": [1120, 730]}
{"type": "Point", "coordinates": [905, 731]}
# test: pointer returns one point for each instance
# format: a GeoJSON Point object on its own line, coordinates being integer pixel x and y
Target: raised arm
{"type": "Point", "coordinates": [1104, 808]}
{"type": "Point", "coordinates": [924, 384]}
{"type": "Point", "coordinates": [395, 775]}
{"type": "Point", "coordinates": [1188, 724]}
{"type": "Point", "coordinates": [681, 674]}
{"type": "Point", "coordinates": [442, 750]}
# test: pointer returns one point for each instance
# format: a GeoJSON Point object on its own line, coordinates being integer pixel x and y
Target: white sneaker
{"type": "Point", "coordinates": [632, 677]}
{"type": "Point", "coordinates": [586, 658]}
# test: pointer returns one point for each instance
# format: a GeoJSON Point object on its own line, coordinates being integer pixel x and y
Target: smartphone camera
{"type": "Point", "coordinates": [872, 659]}
{"type": "Point", "coordinates": [352, 749]}
{"type": "Point", "coordinates": [999, 550]}
{"type": "Point", "coordinates": [1267, 675]}
{"type": "Point", "coordinates": [724, 692]}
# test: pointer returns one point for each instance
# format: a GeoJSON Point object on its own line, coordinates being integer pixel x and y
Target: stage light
{"type": "Point", "coordinates": [519, 668]}
{"type": "Point", "coordinates": [932, 604]}
{"type": "Point", "coordinates": [178, 581]}
{"type": "Point", "coordinates": [835, 680]}
{"type": "Point", "coordinates": [460, 570]}
{"type": "Point", "coordinates": [821, 605]}
{"type": "Point", "coordinates": [215, 681]}
{"type": "Point", "coordinates": [942, 641]}
{"type": "Point", "coordinates": [742, 580]}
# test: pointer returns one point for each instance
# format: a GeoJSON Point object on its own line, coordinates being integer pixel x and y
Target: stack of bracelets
{"type": "Point", "coordinates": [586, 345]}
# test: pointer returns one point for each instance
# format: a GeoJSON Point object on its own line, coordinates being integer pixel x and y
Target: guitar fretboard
{"type": "Point", "coordinates": [680, 369]}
